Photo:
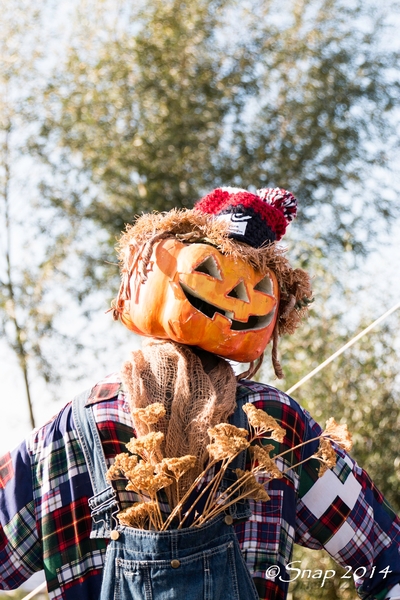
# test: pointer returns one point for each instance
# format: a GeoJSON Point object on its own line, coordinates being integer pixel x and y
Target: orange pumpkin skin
{"type": "Point", "coordinates": [197, 296]}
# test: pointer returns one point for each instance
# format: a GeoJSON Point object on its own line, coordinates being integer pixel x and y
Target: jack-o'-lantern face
{"type": "Point", "coordinates": [197, 296]}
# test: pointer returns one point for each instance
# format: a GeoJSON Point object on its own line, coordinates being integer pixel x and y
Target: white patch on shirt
{"type": "Point", "coordinates": [324, 491]}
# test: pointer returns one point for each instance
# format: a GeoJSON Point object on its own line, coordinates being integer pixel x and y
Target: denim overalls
{"type": "Point", "coordinates": [202, 563]}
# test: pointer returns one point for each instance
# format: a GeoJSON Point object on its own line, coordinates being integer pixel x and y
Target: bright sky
{"type": "Point", "coordinates": [14, 424]}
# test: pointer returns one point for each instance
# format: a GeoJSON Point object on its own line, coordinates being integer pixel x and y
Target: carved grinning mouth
{"type": "Point", "coordinates": [209, 310]}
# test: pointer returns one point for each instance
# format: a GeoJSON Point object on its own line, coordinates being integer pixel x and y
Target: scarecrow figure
{"type": "Point", "coordinates": [204, 286]}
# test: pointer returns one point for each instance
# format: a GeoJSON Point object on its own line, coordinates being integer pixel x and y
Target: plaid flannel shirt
{"type": "Point", "coordinates": [45, 521]}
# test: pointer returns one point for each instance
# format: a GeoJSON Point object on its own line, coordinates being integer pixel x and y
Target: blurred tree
{"type": "Point", "coordinates": [31, 261]}
{"type": "Point", "coordinates": [144, 107]}
{"type": "Point", "coordinates": [157, 104]}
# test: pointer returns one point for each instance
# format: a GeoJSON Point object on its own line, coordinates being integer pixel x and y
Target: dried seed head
{"type": "Point", "coordinates": [138, 514]}
{"type": "Point", "coordinates": [326, 455]}
{"type": "Point", "coordinates": [157, 483]}
{"type": "Point", "coordinates": [226, 447]}
{"type": "Point", "coordinates": [338, 434]}
{"type": "Point", "coordinates": [267, 464]}
{"type": "Point", "coordinates": [146, 444]}
{"type": "Point", "coordinates": [223, 430]}
{"type": "Point", "coordinates": [227, 440]}
{"type": "Point", "coordinates": [123, 463]}
{"type": "Point", "coordinates": [177, 466]}
{"type": "Point", "coordinates": [149, 415]}
{"type": "Point", "coordinates": [140, 477]}
{"type": "Point", "coordinates": [251, 488]}
{"type": "Point", "coordinates": [259, 493]}
{"type": "Point", "coordinates": [263, 423]}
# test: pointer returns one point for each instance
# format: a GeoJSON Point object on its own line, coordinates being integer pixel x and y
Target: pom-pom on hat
{"type": "Point", "coordinates": [256, 219]}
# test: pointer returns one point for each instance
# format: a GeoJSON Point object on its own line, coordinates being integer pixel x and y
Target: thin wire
{"type": "Point", "coordinates": [343, 348]}
{"type": "Point", "coordinates": [33, 593]}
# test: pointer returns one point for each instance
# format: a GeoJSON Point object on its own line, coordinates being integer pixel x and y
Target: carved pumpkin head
{"type": "Point", "coordinates": [214, 277]}
{"type": "Point", "coordinates": [195, 295]}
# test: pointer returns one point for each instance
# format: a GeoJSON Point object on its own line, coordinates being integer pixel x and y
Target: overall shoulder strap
{"type": "Point", "coordinates": [104, 504]}
{"type": "Point", "coordinates": [240, 510]}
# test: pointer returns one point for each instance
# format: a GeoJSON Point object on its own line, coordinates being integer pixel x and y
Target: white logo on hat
{"type": "Point", "coordinates": [237, 222]}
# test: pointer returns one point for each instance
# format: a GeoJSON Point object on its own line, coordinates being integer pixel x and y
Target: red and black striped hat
{"type": "Point", "coordinates": [256, 219]}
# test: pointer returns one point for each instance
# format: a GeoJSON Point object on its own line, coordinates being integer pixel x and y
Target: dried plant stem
{"type": "Point", "coordinates": [214, 483]}
{"type": "Point", "coordinates": [223, 499]}
{"type": "Point", "coordinates": [318, 437]}
{"type": "Point", "coordinates": [300, 463]}
{"type": "Point", "coordinates": [296, 465]}
{"type": "Point", "coordinates": [217, 480]}
{"type": "Point", "coordinates": [314, 439]}
{"type": "Point", "coordinates": [178, 501]}
{"type": "Point", "coordinates": [159, 515]}
{"type": "Point", "coordinates": [153, 473]}
{"type": "Point", "coordinates": [220, 503]}
{"type": "Point", "coordinates": [186, 495]}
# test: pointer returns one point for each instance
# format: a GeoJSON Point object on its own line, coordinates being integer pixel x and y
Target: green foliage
{"type": "Point", "coordinates": [145, 111]}
{"type": "Point", "coordinates": [319, 577]}
{"type": "Point", "coordinates": [159, 104]}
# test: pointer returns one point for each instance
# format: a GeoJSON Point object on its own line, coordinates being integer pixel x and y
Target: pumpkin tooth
{"type": "Point", "coordinates": [200, 304]}
{"type": "Point", "coordinates": [209, 310]}
{"type": "Point", "coordinates": [253, 322]}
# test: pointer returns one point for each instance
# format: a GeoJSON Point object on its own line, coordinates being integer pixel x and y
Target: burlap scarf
{"type": "Point", "coordinates": [194, 400]}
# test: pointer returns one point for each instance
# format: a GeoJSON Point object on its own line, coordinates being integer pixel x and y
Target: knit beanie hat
{"type": "Point", "coordinates": [255, 219]}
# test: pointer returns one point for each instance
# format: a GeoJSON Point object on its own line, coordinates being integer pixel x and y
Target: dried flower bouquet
{"type": "Point", "coordinates": [147, 474]}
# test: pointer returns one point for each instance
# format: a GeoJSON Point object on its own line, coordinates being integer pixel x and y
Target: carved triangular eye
{"type": "Point", "coordinates": [210, 267]}
{"type": "Point", "coordinates": [240, 292]}
{"type": "Point", "coordinates": [265, 286]}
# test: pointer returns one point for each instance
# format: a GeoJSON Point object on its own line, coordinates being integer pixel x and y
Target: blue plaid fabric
{"type": "Point", "coordinates": [45, 521]}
